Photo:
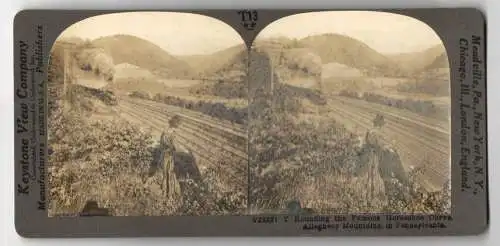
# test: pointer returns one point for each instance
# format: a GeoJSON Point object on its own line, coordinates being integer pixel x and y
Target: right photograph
{"type": "Point", "coordinates": [349, 112]}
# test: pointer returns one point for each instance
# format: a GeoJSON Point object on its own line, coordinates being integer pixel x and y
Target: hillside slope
{"type": "Point", "coordinates": [353, 53]}
{"type": "Point", "coordinates": [331, 48]}
{"type": "Point", "coordinates": [223, 72]}
{"type": "Point", "coordinates": [415, 62]}
{"type": "Point", "coordinates": [219, 63]}
{"type": "Point", "coordinates": [144, 54]}
{"type": "Point", "coordinates": [439, 62]}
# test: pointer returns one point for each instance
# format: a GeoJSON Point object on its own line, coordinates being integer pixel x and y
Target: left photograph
{"type": "Point", "coordinates": [147, 116]}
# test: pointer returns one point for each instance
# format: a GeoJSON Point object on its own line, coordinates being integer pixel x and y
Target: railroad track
{"type": "Point", "coordinates": [414, 137]}
{"type": "Point", "coordinates": [199, 131]}
{"type": "Point", "coordinates": [227, 125]}
{"type": "Point", "coordinates": [439, 129]}
{"type": "Point", "coordinates": [210, 141]}
{"type": "Point", "coordinates": [436, 124]}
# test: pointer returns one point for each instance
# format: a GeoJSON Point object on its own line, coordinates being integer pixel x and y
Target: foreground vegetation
{"type": "Point", "coordinates": [315, 160]}
{"type": "Point", "coordinates": [102, 161]}
{"type": "Point", "coordinates": [112, 162]}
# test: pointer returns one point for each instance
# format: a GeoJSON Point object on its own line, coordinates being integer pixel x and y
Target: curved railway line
{"type": "Point", "coordinates": [236, 133]}
{"type": "Point", "coordinates": [187, 129]}
{"type": "Point", "coordinates": [210, 140]}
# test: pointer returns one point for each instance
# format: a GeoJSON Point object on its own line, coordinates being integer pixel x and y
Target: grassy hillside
{"type": "Point", "coordinates": [415, 62]}
{"type": "Point", "coordinates": [433, 79]}
{"type": "Point", "coordinates": [144, 54]}
{"type": "Point", "coordinates": [224, 73]}
{"type": "Point", "coordinates": [330, 48]}
{"type": "Point", "coordinates": [289, 61]}
{"type": "Point", "coordinates": [351, 52]}
{"type": "Point", "coordinates": [219, 63]}
{"type": "Point", "coordinates": [225, 69]}
{"type": "Point", "coordinates": [440, 61]}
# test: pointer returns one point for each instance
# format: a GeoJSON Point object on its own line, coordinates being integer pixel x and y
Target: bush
{"type": "Point", "coordinates": [284, 149]}
{"type": "Point", "coordinates": [140, 94]}
{"type": "Point", "coordinates": [103, 161]}
{"type": "Point", "coordinates": [426, 108]}
{"type": "Point", "coordinates": [214, 109]}
{"type": "Point", "coordinates": [286, 152]}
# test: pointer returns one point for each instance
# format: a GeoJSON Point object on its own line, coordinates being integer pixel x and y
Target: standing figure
{"type": "Point", "coordinates": [381, 165]}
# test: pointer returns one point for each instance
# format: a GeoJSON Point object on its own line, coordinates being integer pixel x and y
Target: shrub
{"type": "Point", "coordinates": [140, 94]}
{"type": "Point", "coordinates": [214, 109]}
{"type": "Point", "coordinates": [423, 107]}
{"type": "Point", "coordinates": [104, 161]}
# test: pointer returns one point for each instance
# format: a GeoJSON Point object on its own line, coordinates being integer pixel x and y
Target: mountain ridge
{"type": "Point", "coordinates": [144, 54]}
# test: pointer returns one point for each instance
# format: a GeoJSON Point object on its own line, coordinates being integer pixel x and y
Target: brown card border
{"type": "Point", "coordinates": [470, 207]}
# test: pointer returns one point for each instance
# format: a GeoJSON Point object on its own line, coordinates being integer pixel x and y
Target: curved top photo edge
{"type": "Point", "coordinates": [129, 44]}
{"type": "Point", "coordinates": [341, 38]}
{"type": "Point", "coordinates": [181, 21]}
{"type": "Point", "coordinates": [299, 25]}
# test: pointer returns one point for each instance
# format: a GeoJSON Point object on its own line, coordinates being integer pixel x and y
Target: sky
{"type": "Point", "coordinates": [177, 33]}
{"type": "Point", "coordinates": [188, 34]}
{"type": "Point", "coordinates": [385, 32]}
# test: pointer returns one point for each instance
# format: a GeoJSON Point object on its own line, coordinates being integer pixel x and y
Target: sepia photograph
{"type": "Point", "coordinates": [250, 122]}
{"type": "Point", "coordinates": [329, 113]}
{"type": "Point", "coordinates": [147, 116]}
{"type": "Point", "coordinates": [349, 112]}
